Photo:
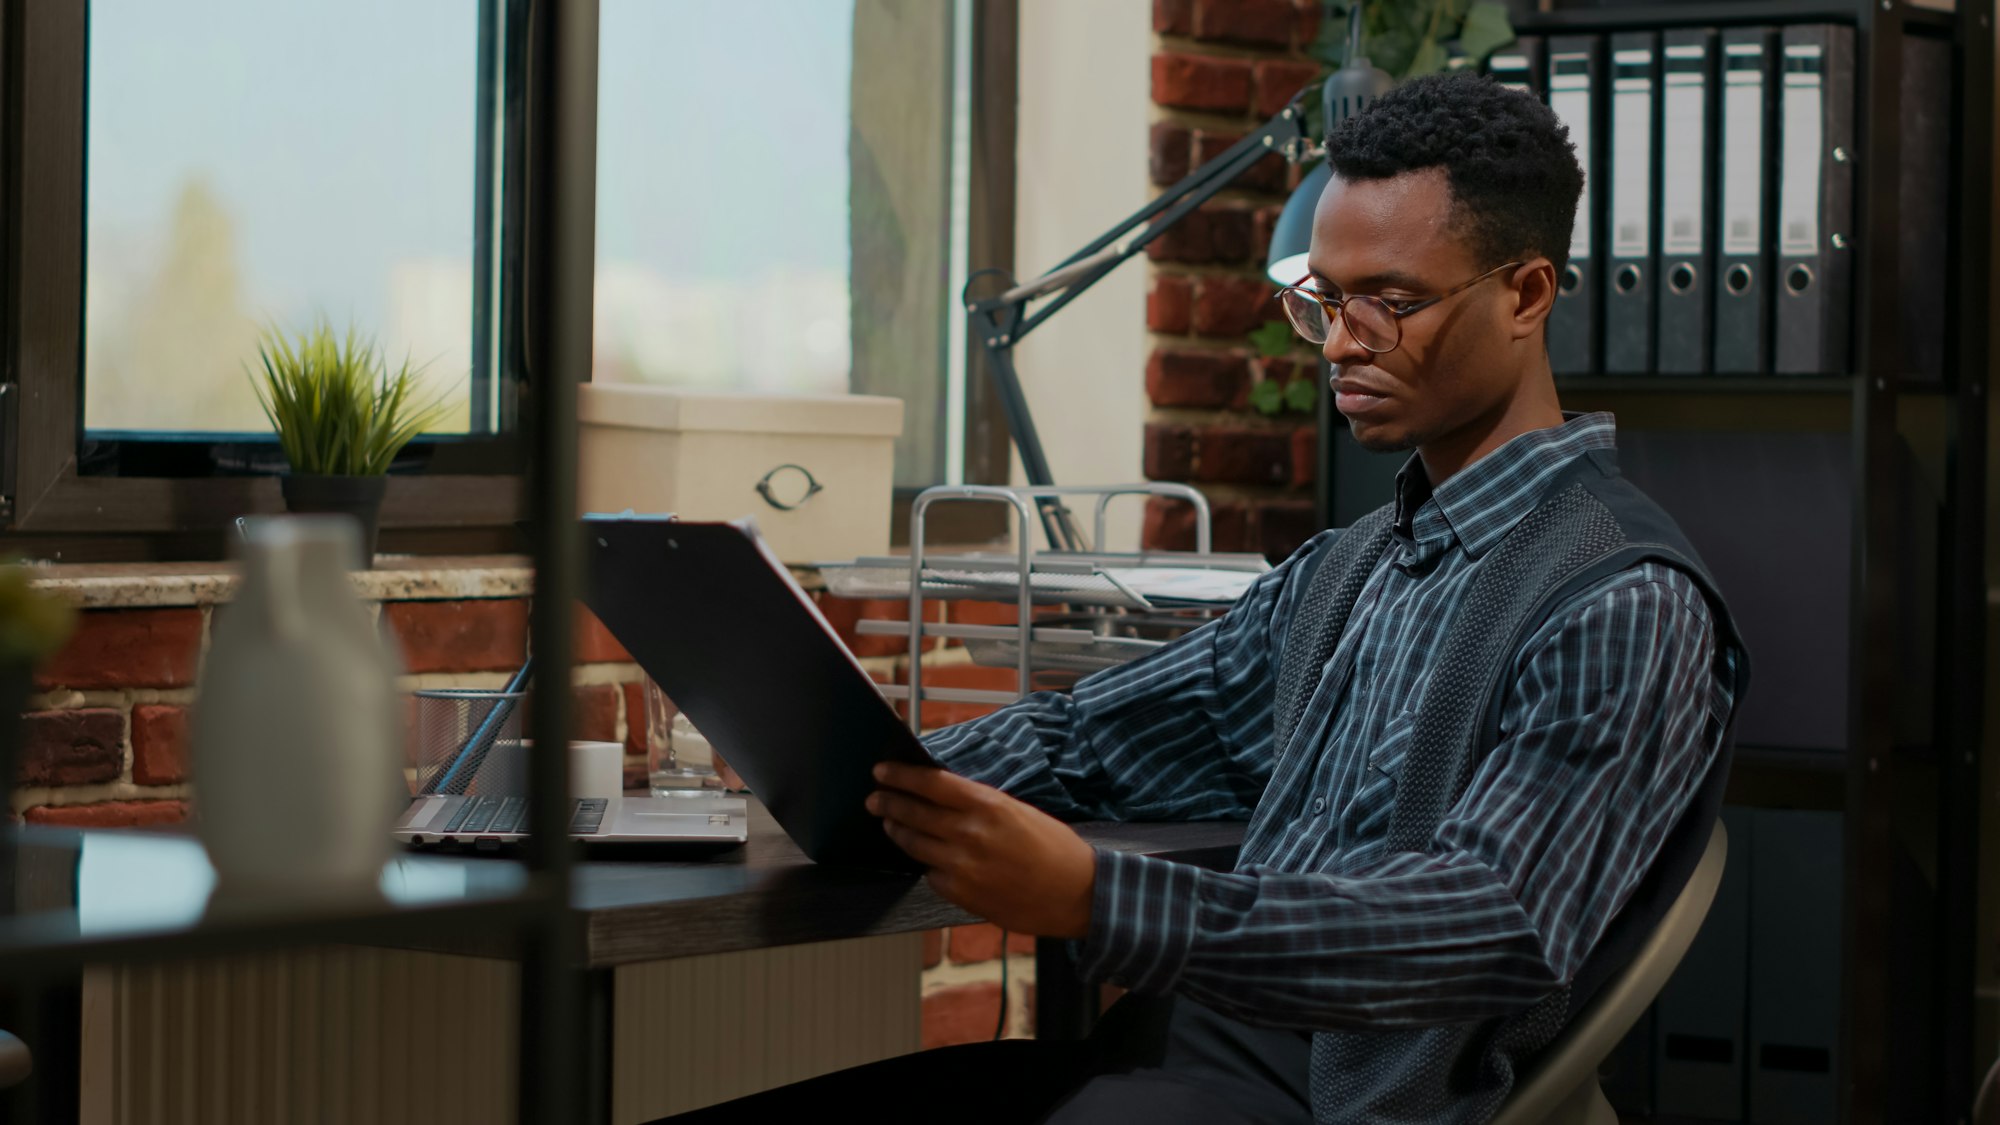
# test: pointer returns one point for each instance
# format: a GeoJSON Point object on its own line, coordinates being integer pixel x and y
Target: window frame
{"type": "Point", "coordinates": [989, 243]}
{"type": "Point", "coordinates": [51, 509]}
{"type": "Point", "coordinates": [491, 446]}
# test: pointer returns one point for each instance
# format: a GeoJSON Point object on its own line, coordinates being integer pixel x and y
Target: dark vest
{"type": "Point", "coordinates": [1589, 525]}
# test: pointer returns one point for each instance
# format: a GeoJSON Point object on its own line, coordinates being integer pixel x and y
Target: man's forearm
{"type": "Point", "coordinates": [1437, 944]}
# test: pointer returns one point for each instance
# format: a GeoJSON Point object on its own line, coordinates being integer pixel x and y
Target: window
{"type": "Point", "coordinates": [788, 195]}
{"type": "Point", "coordinates": [252, 163]}
{"type": "Point", "coordinates": [783, 204]}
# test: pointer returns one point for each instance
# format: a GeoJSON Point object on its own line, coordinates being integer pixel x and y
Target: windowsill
{"type": "Point", "coordinates": [395, 578]}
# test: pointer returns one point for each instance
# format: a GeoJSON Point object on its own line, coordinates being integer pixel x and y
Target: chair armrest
{"type": "Point", "coordinates": [16, 1063]}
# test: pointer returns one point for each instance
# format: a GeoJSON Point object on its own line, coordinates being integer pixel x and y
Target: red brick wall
{"type": "Point", "coordinates": [105, 738]}
{"type": "Point", "coordinates": [107, 732]}
{"type": "Point", "coordinates": [962, 995]}
{"type": "Point", "coordinates": [1220, 69]}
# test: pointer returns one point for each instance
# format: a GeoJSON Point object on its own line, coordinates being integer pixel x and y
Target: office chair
{"type": "Point", "coordinates": [1561, 1089]}
{"type": "Point", "coordinates": [1986, 1104]}
{"type": "Point", "coordinates": [15, 1061]}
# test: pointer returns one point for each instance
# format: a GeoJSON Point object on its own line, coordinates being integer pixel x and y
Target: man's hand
{"type": "Point", "coordinates": [1008, 862]}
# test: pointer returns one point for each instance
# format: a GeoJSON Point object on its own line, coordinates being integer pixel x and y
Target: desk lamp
{"type": "Point", "coordinates": [1000, 322]}
{"type": "Point", "coordinates": [1345, 94]}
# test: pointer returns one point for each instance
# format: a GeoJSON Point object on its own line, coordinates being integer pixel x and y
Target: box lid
{"type": "Point", "coordinates": [684, 410]}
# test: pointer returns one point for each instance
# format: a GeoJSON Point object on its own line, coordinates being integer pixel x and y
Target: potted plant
{"type": "Point", "coordinates": [342, 417]}
{"type": "Point", "coordinates": [1409, 38]}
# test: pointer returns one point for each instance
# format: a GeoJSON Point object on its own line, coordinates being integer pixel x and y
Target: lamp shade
{"type": "Point", "coordinates": [1292, 236]}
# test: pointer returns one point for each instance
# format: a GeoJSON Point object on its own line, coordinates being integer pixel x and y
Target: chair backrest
{"type": "Point", "coordinates": [1986, 1103]}
{"type": "Point", "coordinates": [15, 1061]}
{"type": "Point", "coordinates": [1572, 1060]}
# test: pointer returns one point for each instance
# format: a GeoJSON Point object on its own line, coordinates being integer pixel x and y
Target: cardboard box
{"type": "Point", "coordinates": [816, 471]}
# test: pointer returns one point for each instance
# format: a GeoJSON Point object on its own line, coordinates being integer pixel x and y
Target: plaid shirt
{"type": "Point", "coordinates": [1615, 710]}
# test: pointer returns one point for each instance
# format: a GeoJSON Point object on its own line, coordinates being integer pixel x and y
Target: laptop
{"type": "Point", "coordinates": [708, 611]}
{"type": "Point", "coordinates": [492, 823]}
{"type": "Point", "coordinates": [473, 801]}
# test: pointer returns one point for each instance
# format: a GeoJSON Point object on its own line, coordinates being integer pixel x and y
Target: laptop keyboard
{"type": "Point", "coordinates": [500, 816]}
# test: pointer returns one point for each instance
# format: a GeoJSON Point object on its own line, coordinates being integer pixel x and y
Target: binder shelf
{"type": "Point", "coordinates": [1785, 243]}
{"type": "Point", "coordinates": [1100, 608]}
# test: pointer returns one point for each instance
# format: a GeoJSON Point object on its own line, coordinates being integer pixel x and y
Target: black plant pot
{"type": "Point", "coordinates": [360, 497]}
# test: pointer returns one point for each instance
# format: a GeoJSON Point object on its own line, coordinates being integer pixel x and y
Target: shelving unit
{"type": "Point", "coordinates": [1910, 809]}
{"type": "Point", "coordinates": [43, 956]}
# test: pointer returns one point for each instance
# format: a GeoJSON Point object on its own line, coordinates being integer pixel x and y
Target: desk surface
{"type": "Point", "coordinates": [768, 893]}
{"type": "Point", "coordinates": [109, 895]}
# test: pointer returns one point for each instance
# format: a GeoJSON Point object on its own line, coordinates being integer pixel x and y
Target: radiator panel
{"type": "Point", "coordinates": [341, 1034]}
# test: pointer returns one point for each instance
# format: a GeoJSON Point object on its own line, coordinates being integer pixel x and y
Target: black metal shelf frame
{"type": "Point", "coordinates": [1723, 13]}
{"type": "Point", "coordinates": [1707, 384]}
{"type": "Point", "coordinates": [559, 135]}
{"type": "Point", "coordinates": [40, 947]}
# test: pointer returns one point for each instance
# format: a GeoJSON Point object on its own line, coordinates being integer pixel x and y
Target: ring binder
{"type": "Point", "coordinates": [1794, 1074]}
{"type": "Point", "coordinates": [1518, 66]}
{"type": "Point", "coordinates": [1629, 283]}
{"type": "Point", "coordinates": [1743, 258]}
{"type": "Point", "coordinates": [1686, 209]}
{"type": "Point", "coordinates": [1574, 321]}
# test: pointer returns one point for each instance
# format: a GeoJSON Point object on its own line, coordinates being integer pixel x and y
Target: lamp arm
{"type": "Point", "coordinates": [1283, 133]}
{"type": "Point", "coordinates": [1000, 322]}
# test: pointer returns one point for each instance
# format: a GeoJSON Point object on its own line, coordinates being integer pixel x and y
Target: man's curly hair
{"type": "Point", "coordinates": [1508, 159]}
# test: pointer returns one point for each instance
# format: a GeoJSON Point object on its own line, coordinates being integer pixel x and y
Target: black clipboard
{"type": "Point", "coordinates": [718, 622]}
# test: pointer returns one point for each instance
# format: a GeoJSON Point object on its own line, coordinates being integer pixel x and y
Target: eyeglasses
{"type": "Point", "coordinates": [1374, 322]}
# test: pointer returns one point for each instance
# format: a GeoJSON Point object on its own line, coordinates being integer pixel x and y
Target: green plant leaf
{"type": "Point", "coordinates": [1302, 395]}
{"type": "Point", "coordinates": [1266, 397]}
{"type": "Point", "coordinates": [1485, 30]}
{"type": "Point", "coordinates": [33, 623]}
{"type": "Point", "coordinates": [1392, 49]}
{"type": "Point", "coordinates": [1272, 339]}
{"type": "Point", "coordinates": [1430, 58]}
{"type": "Point", "coordinates": [335, 406]}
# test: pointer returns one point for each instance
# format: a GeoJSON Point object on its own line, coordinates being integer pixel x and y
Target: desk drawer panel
{"type": "Point", "coordinates": [331, 1035]}
{"type": "Point", "coordinates": [699, 1030]}
{"type": "Point", "coordinates": [388, 1037]}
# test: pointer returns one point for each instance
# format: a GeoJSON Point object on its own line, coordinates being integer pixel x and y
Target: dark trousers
{"type": "Point", "coordinates": [1160, 1062]}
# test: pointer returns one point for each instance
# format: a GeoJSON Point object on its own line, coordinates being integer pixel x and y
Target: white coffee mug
{"type": "Point", "coordinates": [596, 769]}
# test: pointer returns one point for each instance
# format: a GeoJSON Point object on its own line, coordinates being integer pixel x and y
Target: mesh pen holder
{"type": "Point", "coordinates": [468, 742]}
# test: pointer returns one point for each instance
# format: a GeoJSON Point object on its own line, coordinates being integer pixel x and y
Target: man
{"type": "Point", "coordinates": [1367, 960]}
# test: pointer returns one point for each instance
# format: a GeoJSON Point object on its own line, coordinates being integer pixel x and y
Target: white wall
{"type": "Point", "coordinates": [1085, 106]}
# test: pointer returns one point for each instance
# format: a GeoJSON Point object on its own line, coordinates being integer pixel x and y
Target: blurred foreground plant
{"type": "Point", "coordinates": [33, 624]}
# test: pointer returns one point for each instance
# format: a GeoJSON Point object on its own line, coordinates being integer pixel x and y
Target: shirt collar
{"type": "Point", "coordinates": [1484, 500]}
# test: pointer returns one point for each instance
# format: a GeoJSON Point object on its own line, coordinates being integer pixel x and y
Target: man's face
{"type": "Point", "coordinates": [1392, 238]}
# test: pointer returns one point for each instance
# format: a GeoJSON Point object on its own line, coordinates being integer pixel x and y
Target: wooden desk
{"type": "Point", "coordinates": [767, 894]}
{"type": "Point", "coordinates": [642, 920]}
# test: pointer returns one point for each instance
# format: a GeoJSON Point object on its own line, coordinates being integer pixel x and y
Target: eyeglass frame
{"type": "Point", "coordinates": [1336, 306]}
